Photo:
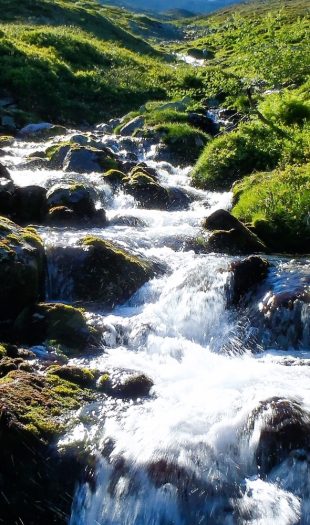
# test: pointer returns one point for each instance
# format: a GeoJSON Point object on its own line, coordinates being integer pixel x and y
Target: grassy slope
{"type": "Point", "coordinates": [76, 61]}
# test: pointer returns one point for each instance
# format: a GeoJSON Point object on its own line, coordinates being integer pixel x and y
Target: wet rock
{"type": "Point", "coordinates": [247, 273]}
{"type": "Point", "coordinates": [114, 177]}
{"type": "Point", "coordinates": [100, 271]}
{"type": "Point", "coordinates": [110, 274]}
{"type": "Point", "coordinates": [7, 190]}
{"type": "Point", "coordinates": [30, 204]}
{"type": "Point", "coordinates": [203, 122]}
{"type": "Point", "coordinates": [4, 172]}
{"type": "Point", "coordinates": [230, 235]}
{"type": "Point", "coordinates": [57, 154]}
{"type": "Point", "coordinates": [60, 216]}
{"type": "Point", "coordinates": [55, 322]}
{"type": "Point", "coordinates": [76, 198]}
{"type": "Point", "coordinates": [6, 140]}
{"type": "Point", "coordinates": [148, 193]}
{"type": "Point", "coordinates": [132, 126]}
{"type": "Point", "coordinates": [162, 472]}
{"type": "Point", "coordinates": [178, 199]}
{"type": "Point", "coordinates": [284, 426]}
{"type": "Point", "coordinates": [285, 318]}
{"type": "Point", "coordinates": [81, 159]}
{"type": "Point", "coordinates": [131, 387]}
{"type": "Point", "coordinates": [135, 386]}
{"type": "Point", "coordinates": [22, 268]}
{"type": "Point", "coordinates": [127, 220]}
{"type": "Point", "coordinates": [146, 170]}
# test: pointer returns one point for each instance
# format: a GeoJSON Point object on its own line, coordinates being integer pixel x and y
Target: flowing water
{"type": "Point", "coordinates": [187, 455]}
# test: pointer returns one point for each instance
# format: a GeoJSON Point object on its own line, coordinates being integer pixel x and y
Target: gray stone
{"type": "Point", "coordinates": [132, 126]}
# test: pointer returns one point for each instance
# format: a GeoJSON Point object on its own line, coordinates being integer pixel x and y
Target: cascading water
{"type": "Point", "coordinates": [193, 452]}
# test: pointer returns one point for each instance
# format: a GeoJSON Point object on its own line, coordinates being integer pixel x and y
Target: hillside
{"type": "Point", "coordinates": [67, 61]}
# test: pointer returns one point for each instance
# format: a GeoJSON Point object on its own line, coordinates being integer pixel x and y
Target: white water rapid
{"type": "Point", "coordinates": [188, 454]}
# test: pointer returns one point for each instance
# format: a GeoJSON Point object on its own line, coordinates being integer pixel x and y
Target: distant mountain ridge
{"type": "Point", "coordinates": [192, 6]}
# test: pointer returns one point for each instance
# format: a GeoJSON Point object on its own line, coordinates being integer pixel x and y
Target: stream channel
{"type": "Point", "coordinates": [226, 380]}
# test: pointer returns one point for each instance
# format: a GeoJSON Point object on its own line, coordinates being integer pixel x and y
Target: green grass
{"type": "Point", "coordinates": [277, 204]}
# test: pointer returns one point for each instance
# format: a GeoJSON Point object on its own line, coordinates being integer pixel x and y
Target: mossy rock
{"type": "Point", "coordinates": [109, 274]}
{"type": "Point", "coordinates": [73, 195]}
{"type": "Point", "coordinates": [82, 159]}
{"type": "Point", "coordinates": [147, 192]}
{"type": "Point", "coordinates": [114, 177]}
{"type": "Point", "coordinates": [38, 405]}
{"type": "Point", "coordinates": [22, 268]}
{"type": "Point", "coordinates": [6, 141]}
{"type": "Point", "coordinates": [146, 170]}
{"type": "Point", "coordinates": [57, 322]}
{"type": "Point", "coordinates": [74, 374]}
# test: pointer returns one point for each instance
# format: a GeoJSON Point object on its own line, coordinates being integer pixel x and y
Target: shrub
{"type": "Point", "coordinates": [253, 147]}
{"type": "Point", "coordinates": [287, 108]}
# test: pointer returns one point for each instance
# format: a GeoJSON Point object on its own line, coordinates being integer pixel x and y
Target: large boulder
{"type": "Point", "coordinates": [247, 274]}
{"type": "Point", "coordinates": [99, 271]}
{"type": "Point", "coordinates": [22, 268]}
{"type": "Point", "coordinates": [231, 236]}
{"type": "Point", "coordinates": [41, 130]}
{"type": "Point", "coordinates": [60, 323]}
{"type": "Point", "coordinates": [284, 427]}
